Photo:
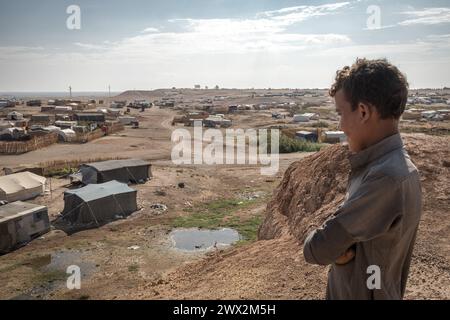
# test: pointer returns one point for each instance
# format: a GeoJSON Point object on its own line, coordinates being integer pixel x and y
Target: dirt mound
{"type": "Point", "coordinates": [313, 187]}
{"type": "Point", "coordinates": [309, 192]}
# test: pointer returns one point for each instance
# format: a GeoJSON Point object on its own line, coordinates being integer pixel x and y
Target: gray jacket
{"type": "Point", "coordinates": [379, 219]}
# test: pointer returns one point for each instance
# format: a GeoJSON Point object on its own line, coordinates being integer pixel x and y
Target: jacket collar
{"type": "Point", "coordinates": [375, 151]}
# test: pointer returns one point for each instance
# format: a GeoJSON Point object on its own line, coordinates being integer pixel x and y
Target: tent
{"type": "Point", "coordinates": [130, 170]}
{"type": "Point", "coordinates": [43, 119]}
{"type": "Point", "coordinates": [306, 135]}
{"type": "Point", "coordinates": [305, 117]}
{"type": "Point", "coordinates": [21, 186]}
{"type": "Point", "coordinates": [14, 116]}
{"type": "Point", "coordinates": [21, 222]}
{"type": "Point", "coordinates": [335, 136]}
{"type": "Point", "coordinates": [97, 204]}
{"type": "Point", "coordinates": [66, 135]}
{"type": "Point", "coordinates": [10, 134]}
{"type": "Point", "coordinates": [90, 117]}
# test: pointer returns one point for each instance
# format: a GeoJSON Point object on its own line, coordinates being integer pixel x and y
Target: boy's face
{"type": "Point", "coordinates": [350, 122]}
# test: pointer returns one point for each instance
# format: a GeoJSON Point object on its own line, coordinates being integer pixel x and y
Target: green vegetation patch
{"type": "Point", "coordinates": [222, 213]}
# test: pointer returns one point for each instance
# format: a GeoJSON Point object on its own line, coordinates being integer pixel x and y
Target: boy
{"type": "Point", "coordinates": [370, 238]}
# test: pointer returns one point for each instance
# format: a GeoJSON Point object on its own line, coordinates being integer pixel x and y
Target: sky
{"type": "Point", "coordinates": [145, 45]}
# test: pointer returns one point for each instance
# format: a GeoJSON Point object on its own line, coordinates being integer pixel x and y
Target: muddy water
{"type": "Point", "coordinates": [194, 239]}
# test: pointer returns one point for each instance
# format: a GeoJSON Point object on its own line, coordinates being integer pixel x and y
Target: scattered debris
{"type": "Point", "coordinates": [158, 208]}
{"type": "Point", "coordinates": [181, 185]}
{"type": "Point", "coordinates": [251, 195]}
{"type": "Point", "coordinates": [133, 247]}
{"type": "Point", "coordinates": [161, 193]}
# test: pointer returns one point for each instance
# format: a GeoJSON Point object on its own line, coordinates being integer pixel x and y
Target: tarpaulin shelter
{"type": "Point", "coordinates": [130, 170]}
{"type": "Point", "coordinates": [21, 222]}
{"type": "Point", "coordinates": [97, 204]}
{"type": "Point", "coordinates": [90, 117]}
{"type": "Point", "coordinates": [21, 186]}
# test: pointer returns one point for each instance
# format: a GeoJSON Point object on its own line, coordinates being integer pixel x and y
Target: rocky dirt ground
{"type": "Point", "coordinates": [135, 259]}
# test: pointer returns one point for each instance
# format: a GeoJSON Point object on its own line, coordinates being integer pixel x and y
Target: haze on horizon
{"type": "Point", "coordinates": [146, 45]}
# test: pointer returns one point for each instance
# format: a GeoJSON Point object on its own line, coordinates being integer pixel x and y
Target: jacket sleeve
{"type": "Point", "coordinates": [366, 214]}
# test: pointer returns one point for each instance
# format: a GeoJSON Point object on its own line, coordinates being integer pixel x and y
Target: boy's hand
{"type": "Point", "coordinates": [346, 257]}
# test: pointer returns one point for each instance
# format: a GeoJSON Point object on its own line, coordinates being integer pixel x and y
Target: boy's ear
{"type": "Point", "coordinates": [365, 112]}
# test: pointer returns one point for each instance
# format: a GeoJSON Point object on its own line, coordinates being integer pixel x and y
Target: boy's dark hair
{"type": "Point", "coordinates": [374, 82]}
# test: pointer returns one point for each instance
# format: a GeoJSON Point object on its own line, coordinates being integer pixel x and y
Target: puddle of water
{"type": "Point", "coordinates": [203, 239]}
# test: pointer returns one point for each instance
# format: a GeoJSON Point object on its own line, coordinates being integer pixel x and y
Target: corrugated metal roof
{"type": "Point", "coordinates": [102, 190]}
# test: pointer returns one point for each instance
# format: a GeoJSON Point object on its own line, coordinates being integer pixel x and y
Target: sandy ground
{"type": "Point", "coordinates": [271, 269]}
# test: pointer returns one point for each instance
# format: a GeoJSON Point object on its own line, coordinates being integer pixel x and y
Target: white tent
{"type": "Point", "coordinates": [21, 186]}
{"type": "Point", "coordinates": [305, 117]}
{"type": "Point", "coordinates": [67, 135]}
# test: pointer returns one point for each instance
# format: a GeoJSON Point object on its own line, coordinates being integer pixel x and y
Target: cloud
{"type": "Point", "coordinates": [301, 13]}
{"type": "Point", "coordinates": [89, 46]}
{"type": "Point", "coordinates": [150, 30]}
{"type": "Point", "coordinates": [267, 32]}
{"type": "Point", "coordinates": [10, 53]}
{"type": "Point", "coordinates": [430, 47]}
{"type": "Point", "coordinates": [427, 16]}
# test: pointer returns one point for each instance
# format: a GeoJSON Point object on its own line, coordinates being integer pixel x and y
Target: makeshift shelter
{"type": "Point", "coordinates": [7, 104]}
{"type": "Point", "coordinates": [97, 204]}
{"type": "Point", "coordinates": [47, 108]}
{"type": "Point", "coordinates": [334, 136]}
{"type": "Point", "coordinates": [127, 120]}
{"type": "Point", "coordinates": [21, 222]}
{"type": "Point", "coordinates": [14, 115]}
{"type": "Point", "coordinates": [130, 170]}
{"type": "Point", "coordinates": [306, 135]}
{"type": "Point", "coordinates": [90, 117]}
{"type": "Point", "coordinates": [65, 124]}
{"type": "Point", "coordinates": [217, 120]}
{"type": "Point", "coordinates": [21, 186]}
{"type": "Point", "coordinates": [305, 117]}
{"type": "Point", "coordinates": [43, 119]}
{"type": "Point", "coordinates": [66, 135]}
{"type": "Point", "coordinates": [13, 134]}
{"type": "Point", "coordinates": [63, 108]}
